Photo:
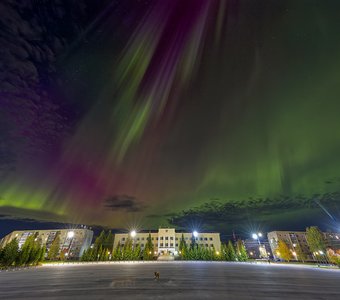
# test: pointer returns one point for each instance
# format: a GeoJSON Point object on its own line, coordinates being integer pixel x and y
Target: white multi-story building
{"type": "Point", "coordinates": [166, 240]}
{"type": "Point", "coordinates": [73, 242]}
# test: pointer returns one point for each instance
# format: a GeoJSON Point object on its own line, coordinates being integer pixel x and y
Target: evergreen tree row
{"type": "Point", "coordinates": [102, 250]}
{"type": "Point", "coordinates": [30, 254]}
{"type": "Point", "coordinates": [197, 252]}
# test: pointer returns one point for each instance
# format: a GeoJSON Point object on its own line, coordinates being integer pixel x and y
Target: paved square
{"type": "Point", "coordinates": [178, 280]}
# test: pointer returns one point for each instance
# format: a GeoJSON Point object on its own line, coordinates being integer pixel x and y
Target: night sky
{"type": "Point", "coordinates": [218, 115]}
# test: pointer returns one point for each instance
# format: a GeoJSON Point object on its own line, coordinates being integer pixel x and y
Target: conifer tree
{"type": "Point", "coordinates": [9, 254]}
{"type": "Point", "coordinates": [25, 254]}
{"type": "Point", "coordinates": [182, 247]}
{"type": "Point", "coordinates": [117, 252]}
{"type": "Point", "coordinates": [42, 254]}
{"type": "Point", "coordinates": [241, 251]}
{"type": "Point", "coordinates": [148, 249]}
{"type": "Point", "coordinates": [108, 242]}
{"type": "Point", "coordinates": [54, 249]}
{"type": "Point", "coordinates": [231, 251]}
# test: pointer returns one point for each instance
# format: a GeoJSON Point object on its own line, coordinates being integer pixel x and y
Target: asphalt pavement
{"type": "Point", "coordinates": [178, 280]}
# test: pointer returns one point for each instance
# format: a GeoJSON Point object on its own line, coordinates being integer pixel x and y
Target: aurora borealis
{"type": "Point", "coordinates": [221, 112]}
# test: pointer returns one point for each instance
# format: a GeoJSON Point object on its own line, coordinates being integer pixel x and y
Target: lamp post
{"type": "Point", "coordinates": [257, 236]}
{"type": "Point", "coordinates": [194, 237]}
{"type": "Point", "coordinates": [133, 234]}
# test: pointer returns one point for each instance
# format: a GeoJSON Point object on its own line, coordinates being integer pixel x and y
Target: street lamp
{"type": "Point", "coordinates": [195, 233]}
{"type": "Point", "coordinates": [133, 234]}
{"type": "Point", "coordinates": [256, 236]}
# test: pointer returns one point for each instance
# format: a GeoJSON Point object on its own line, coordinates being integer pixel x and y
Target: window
{"type": "Point", "coordinates": [206, 245]}
{"type": "Point", "coordinates": [211, 239]}
{"type": "Point", "coordinates": [171, 244]}
{"type": "Point", "coordinates": [176, 239]}
{"type": "Point", "coordinates": [161, 238]}
{"type": "Point", "coordinates": [205, 239]}
{"type": "Point", "coordinates": [211, 245]}
{"type": "Point", "coordinates": [176, 245]}
{"type": "Point", "coordinates": [137, 239]}
{"type": "Point", "coordinates": [166, 245]}
{"type": "Point", "coordinates": [152, 239]}
{"type": "Point", "coordinates": [123, 239]}
{"type": "Point", "coordinates": [166, 238]}
{"type": "Point", "coordinates": [201, 239]}
{"type": "Point", "coordinates": [142, 239]}
{"type": "Point", "coordinates": [161, 245]}
{"type": "Point", "coordinates": [156, 238]}
{"type": "Point", "coordinates": [171, 238]}
{"type": "Point", "coordinates": [142, 245]}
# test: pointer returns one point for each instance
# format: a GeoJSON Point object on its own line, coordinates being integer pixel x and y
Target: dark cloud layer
{"type": "Point", "coordinates": [124, 202]}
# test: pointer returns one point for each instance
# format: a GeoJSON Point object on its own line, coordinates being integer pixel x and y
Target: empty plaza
{"type": "Point", "coordinates": [178, 280]}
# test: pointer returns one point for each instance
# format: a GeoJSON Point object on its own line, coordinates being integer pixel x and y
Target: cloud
{"type": "Point", "coordinates": [124, 202]}
{"type": "Point", "coordinates": [16, 213]}
{"type": "Point", "coordinates": [281, 212]}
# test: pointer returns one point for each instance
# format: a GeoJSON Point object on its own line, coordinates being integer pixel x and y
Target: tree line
{"type": "Point", "coordinates": [102, 250]}
{"type": "Point", "coordinates": [30, 254]}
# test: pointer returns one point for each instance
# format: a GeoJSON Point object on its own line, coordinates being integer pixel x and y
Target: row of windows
{"type": "Point", "coordinates": [171, 238]}
{"type": "Point", "coordinates": [171, 245]}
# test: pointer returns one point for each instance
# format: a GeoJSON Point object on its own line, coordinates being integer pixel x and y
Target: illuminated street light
{"type": "Point", "coordinates": [217, 253]}
{"type": "Point", "coordinates": [321, 252]}
{"type": "Point", "coordinates": [133, 233]}
{"type": "Point", "coordinates": [259, 234]}
{"type": "Point", "coordinates": [70, 234]}
{"type": "Point", "coordinates": [195, 233]}
{"type": "Point", "coordinates": [255, 237]}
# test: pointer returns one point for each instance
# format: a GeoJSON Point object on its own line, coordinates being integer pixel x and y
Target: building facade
{"type": "Point", "coordinates": [297, 240]}
{"type": "Point", "coordinates": [257, 250]}
{"type": "Point", "coordinates": [166, 240]}
{"type": "Point", "coordinates": [73, 242]}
